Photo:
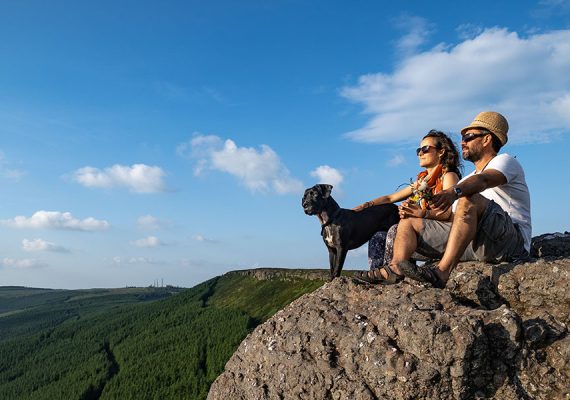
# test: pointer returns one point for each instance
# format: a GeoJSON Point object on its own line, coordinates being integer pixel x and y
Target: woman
{"type": "Point", "coordinates": [440, 158]}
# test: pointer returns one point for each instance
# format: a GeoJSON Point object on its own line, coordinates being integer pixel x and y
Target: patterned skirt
{"type": "Point", "coordinates": [381, 248]}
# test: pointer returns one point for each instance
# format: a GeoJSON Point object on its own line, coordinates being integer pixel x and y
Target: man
{"type": "Point", "coordinates": [491, 221]}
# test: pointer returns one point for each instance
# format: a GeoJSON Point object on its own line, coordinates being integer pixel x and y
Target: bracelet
{"type": "Point", "coordinates": [369, 204]}
{"type": "Point", "coordinates": [426, 214]}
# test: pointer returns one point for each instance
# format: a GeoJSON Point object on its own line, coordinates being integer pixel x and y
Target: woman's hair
{"type": "Point", "coordinates": [450, 160]}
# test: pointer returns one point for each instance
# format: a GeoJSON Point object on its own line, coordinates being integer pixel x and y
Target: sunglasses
{"type": "Point", "coordinates": [472, 136]}
{"type": "Point", "coordinates": [424, 149]}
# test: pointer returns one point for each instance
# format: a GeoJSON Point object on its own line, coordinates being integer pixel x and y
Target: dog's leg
{"type": "Point", "coordinates": [339, 263]}
{"type": "Point", "coordinates": [332, 261]}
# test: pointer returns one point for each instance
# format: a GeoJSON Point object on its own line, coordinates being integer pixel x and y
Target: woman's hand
{"type": "Point", "coordinates": [359, 208]}
{"type": "Point", "coordinates": [410, 209]}
{"type": "Point", "coordinates": [363, 206]}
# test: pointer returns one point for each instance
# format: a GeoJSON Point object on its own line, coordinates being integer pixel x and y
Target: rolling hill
{"type": "Point", "coordinates": [137, 343]}
{"type": "Point", "coordinates": [25, 311]}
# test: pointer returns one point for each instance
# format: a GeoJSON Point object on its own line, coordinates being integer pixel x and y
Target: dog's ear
{"type": "Point", "coordinates": [326, 190]}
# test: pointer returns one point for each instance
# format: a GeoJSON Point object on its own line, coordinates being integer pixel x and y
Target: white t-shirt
{"type": "Point", "coordinates": [513, 196]}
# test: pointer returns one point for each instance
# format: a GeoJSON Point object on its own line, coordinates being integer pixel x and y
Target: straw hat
{"type": "Point", "coordinates": [493, 122]}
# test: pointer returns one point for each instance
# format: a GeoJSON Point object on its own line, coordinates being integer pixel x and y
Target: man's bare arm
{"type": "Point", "coordinates": [472, 185]}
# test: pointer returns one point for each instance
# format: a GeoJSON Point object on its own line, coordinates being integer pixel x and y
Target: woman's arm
{"type": "Point", "coordinates": [390, 198]}
{"type": "Point", "coordinates": [450, 179]}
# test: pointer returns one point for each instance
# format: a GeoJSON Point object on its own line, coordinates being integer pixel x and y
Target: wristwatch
{"type": "Point", "coordinates": [458, 192]}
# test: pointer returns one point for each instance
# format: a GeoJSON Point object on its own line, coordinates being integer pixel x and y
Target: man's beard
{"type": "Point", "coordinates": [472, 155]}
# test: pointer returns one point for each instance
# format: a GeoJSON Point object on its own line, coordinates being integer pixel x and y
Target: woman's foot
{"type": "Point", "coordinates": [375, 277]}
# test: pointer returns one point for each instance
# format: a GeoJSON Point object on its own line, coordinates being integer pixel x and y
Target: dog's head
{"type": "Point", "coordinates": [315, 198]}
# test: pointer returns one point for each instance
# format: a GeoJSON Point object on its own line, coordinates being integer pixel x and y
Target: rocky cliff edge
{"type": "Point", "coordinates": [495, 332]}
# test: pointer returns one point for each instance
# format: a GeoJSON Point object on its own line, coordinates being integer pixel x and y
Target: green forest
{"type": "Point", "coordinates": [153, 343]}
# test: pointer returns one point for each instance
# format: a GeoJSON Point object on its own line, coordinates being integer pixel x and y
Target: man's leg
{"type": "Point", "coordinates": [469, 211]}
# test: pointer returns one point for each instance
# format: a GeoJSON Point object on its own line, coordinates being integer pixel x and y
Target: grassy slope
{"type": "Point", "coordinates": [172, 348]}
{"type": "Point", "coordinates": [260, 299]}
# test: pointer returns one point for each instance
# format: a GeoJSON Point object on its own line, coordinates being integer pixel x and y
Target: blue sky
{"type": "Point", "coordinates": [144, 141]}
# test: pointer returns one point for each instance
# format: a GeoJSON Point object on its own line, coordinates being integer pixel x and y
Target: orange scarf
{"type": "Point", "coordinates": [434, 182]}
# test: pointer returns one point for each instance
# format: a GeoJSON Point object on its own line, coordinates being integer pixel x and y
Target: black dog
{"type": "Point", "coordinates": [344, 229]}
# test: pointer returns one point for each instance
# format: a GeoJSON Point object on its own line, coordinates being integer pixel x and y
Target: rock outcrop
{"type": "Point", "coordinates": [495, 332]}
{"type": "Point", "coordinates": [551, 244]}
{"type": "Point", "coordinates": [264, 274]}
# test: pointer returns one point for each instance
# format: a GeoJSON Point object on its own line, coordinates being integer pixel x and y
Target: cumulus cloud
{"type": "Point", "coordinates": [138, 178]}
{"type": "Point", "coordinates": [200, 146]}
{"type": "Point", "coordinates": [151, 223]}
{"type": "Point", "coordinates": [525, 78]}
{"type": "Point", "coordinates": [56, 220]}
{"type": "Point", "coordinates": [150, 241]}
{"type": "Point", "coordinates": [327, 174]}
{"type": "Point", "coordinates": [20, 263]}
{"type": "Point", "coordinates": [36, 245]}
{"type": "Point", "coordinates": [258, 169]}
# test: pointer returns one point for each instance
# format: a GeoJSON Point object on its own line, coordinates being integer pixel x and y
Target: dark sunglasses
{"type": "Point", "coordinates": [424, 149]}
{"type": "Point", "coordinates": [472, 136]}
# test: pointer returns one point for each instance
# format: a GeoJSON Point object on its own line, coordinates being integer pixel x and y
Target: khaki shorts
{"type": "Point", "coordinates": [498, 238]}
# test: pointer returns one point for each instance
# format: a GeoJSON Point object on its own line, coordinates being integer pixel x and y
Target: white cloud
{"type": "Point", "coordinates": [555, 5]}
{"type": "Point", "coordinates": [202, 239]}
{"type": "Point", "coordinates": [327, 174]}
{"type": "Point", "coordinates": [418, 32]}
{"type": "Point", "coordinates": [213, 93]}
{"type": "Point", "coordinates": [42, 245]}
{"type": "Point", "coordinates": [562, 107]}
{"type": "Point", "coordinates": [397, 160]}
{"type": "Point", "coordinates": [56, 220]}
{"type": "Point", "coordinates": [20, 263]}
{"type": "Point", "coordinates": [133, 260]}
{"type": "Point", "coordinates": [468, 31]}
{"type": "Point", "coordinates": [170, 90]}
{"type": "Point", "coordinates": [259, 170]}
{"type": "Point", "coordinates": [524, 78]}
{"type": "Point", "coordinates": [151, 223]}
{"type": "Point", "coordinates": [138, 178]}
{"type": "Point", "coordinates": [553, 2]}
{"type": "Point", "coordinates": [200, 147]}
{"type": "Point", "coordinates": [14, 174]}
{"type": "Point", "coordinates": [150, 241]}
{"type": "Point", "coordinates": [8, 172]}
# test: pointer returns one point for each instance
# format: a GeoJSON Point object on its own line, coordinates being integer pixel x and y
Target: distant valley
{"type": "Point", "coordinates": [135, 342]}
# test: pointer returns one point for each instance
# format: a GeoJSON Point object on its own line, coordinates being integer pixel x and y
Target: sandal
{"type": "Point", "coordinates": [423, 273]}
{"type": "Point", "coordinates": [375, 278]}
